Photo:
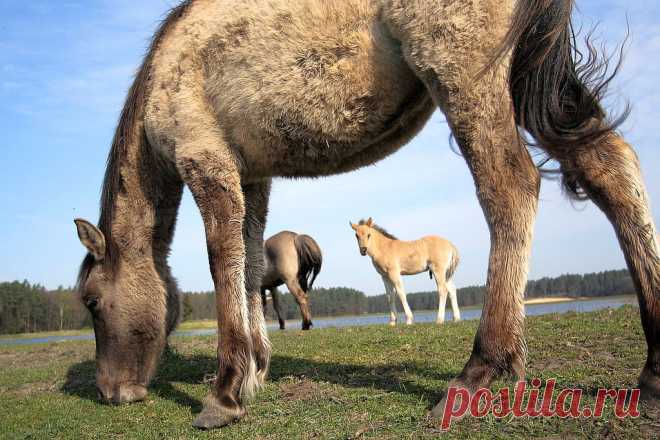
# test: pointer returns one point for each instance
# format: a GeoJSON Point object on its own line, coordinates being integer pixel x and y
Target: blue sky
{"type": "Point", "coordinates": [65, 67]}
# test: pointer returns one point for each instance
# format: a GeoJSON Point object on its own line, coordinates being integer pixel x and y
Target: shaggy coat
{"type": "Point", "coordinates": [233, 93]}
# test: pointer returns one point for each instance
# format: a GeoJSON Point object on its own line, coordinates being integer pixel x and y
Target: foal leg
{"type": "Point", "coordinates": [401, 292]}
{"type": "Point", "coordinates": [454, 300]}
{"type": "Point", "coordinates": [256, 209]}
{"type": "Point", "coordinates": [442, 298]}
{"type": "Point", "coordinates": [214, 180]}
{"type": "Point", "coordinates": [302, 300]}
{"type": "Point", "coordinates": [275, 294]}
{"type": "Point", "coordinates": [391, 300]}
{"type": "Point", "coordinates": [610, 175]}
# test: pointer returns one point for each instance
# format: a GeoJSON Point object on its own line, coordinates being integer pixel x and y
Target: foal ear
{"type": "Point", "coordinates": [92, 238]}
{"type": "Point", "coordinates": [370, 222]}
{"type": "Point", "coordinates": [352, 225]}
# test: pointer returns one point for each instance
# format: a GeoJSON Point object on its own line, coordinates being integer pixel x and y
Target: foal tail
{"type": "Point", "coordinates": [310, 260]}
{"type": "Point", "coordinates": [556, 89]}
{"type": "Point", "coordinates": [453, 264]}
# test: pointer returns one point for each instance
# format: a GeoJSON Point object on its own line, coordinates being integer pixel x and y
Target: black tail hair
{"type": "Point", "coordinates": [556, 89]}
{"type": "Point", "coordinates": [310, 260]}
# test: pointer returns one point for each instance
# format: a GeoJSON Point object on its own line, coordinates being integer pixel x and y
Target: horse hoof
{"type": "Point", "coordinates": [437, 414]}
{"type": "Point", "coordinates": [649, 386]}
{"type": "Point", "coordinates": [215, 415]}
{"type": "Point", "coordinates": [392, 323]}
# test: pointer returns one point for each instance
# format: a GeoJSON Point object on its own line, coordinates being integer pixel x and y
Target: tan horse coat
{"type": "Point", "coordinates": [392, 258]}
{"type": "Point", "coordinates": [233, 93]}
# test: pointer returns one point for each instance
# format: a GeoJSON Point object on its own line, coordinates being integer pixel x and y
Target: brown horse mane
{"type": "Point", "coordinates": [379, 229]}
{"type": "Point", "coordinates": [124, 136]}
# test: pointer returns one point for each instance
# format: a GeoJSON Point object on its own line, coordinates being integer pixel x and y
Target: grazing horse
{"type": "Point", "coordinates": [233, 93]}
{"type": "Point", "coordinates": [393, 257]}
{"type": "Point", "coordinates": [291, 259]}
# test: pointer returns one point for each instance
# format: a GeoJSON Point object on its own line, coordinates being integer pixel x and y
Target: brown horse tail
{"type": "Point", "coordinates": [556, 89]}
{"type": "Point", "coordinates": [310, 260]}
{"type": "Point", "coordinates": [455, 259]}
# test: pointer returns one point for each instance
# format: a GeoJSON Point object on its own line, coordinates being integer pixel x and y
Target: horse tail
{"type": "Point", "coordinates": [310, 260]}
{"type": "Point", "coordinates": [453, 263]}
{"type": "Point", "coordinates": [556, 89]}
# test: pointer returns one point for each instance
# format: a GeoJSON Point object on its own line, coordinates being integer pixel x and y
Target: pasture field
{"type": "Point", "coordinates": [360, 382]}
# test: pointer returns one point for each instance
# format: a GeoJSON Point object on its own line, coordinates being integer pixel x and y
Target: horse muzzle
{"type": "Point", "coordinates": [363, 251]}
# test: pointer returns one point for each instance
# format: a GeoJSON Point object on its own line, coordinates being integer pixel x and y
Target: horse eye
{"type": "Point", "coordinates": [91, 303]}
{"type": "Point", "coordinates": [369, 236]}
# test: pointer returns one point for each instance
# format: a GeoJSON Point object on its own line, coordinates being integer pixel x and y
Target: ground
{"type": "Point", "coordinates": [361, 382]}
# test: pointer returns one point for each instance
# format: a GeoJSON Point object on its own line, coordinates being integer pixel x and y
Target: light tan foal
{"type": "Point", "coordinates": [393, 257]}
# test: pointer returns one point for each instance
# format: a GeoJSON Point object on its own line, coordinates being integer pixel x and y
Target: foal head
{"type": "Point", "coordinates": [363, 231]}
{"type": "Point", "coordinates": [131, 312]}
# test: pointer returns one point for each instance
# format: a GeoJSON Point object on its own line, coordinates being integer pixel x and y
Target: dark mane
{"type": "Point", "coordinates": [379, 229]}
{"type": "Point", "coordinates": [126, 134]}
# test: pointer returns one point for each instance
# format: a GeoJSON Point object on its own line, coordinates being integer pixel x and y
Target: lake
{"type": "Point", "coordinates": [587, 305]}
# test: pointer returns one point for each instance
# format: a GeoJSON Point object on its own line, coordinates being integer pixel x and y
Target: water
{"type": "Point", "coordinates": [352, 321]}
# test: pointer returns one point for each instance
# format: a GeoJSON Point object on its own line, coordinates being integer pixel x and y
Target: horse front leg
{"type": "Point", "coordinates": [214, 181]}
{"type": "Point", "coordinates": [391, 300]}
{"type": "Point", "coordinates": [256, 210]}
{"type": "Point", "coordinates": [275, 295]}
{"type": "Point", "coordinates": [401, 293]}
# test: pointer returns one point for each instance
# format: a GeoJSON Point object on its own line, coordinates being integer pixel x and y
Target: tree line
{"type": "Point", "coordinates": [26, 307]}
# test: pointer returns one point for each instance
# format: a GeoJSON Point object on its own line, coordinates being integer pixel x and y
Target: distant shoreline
{"type": "Point", "coordinates": [206, 324]}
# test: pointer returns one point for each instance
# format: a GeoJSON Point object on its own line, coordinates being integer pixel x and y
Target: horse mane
{"type": "Point", "coordinates": [125, 136]}
{"type": "Point", "coordinates": [379, 229]}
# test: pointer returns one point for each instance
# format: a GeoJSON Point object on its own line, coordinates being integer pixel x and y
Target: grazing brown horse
{"type": "Point", "coordinates": [231, 94]}
{"type": "Point", "coordinates": [294, 260]}
{"type": "Point", "coordinates": [393, 257]}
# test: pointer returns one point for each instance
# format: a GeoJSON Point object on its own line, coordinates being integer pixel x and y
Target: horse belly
{"type": "Point", "coordinates": [311, 87]}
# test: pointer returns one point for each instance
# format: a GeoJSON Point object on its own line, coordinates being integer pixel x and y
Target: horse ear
{"type": "Point", "coordinates": [91, 237]}
{"type": "Point", "coordinates": [352, 225]}
{"type": "Point", "coordinates": [370, 222]}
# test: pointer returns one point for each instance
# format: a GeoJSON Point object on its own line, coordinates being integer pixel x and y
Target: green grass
{"type": "Point", "coordinates": [366, 382]}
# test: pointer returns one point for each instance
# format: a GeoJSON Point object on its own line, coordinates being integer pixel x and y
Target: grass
{"type": "Point", "coordinates": [362, 382]}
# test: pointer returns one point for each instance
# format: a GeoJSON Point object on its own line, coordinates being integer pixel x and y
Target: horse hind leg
{"type": "Point", "coordinates": [442, 297]}
{"type": "Point", "coordinates": [608, 172]}
{"type": "Point", "coordinates": [256, 209]}
{"type": "Point", "coordinates": [451, 287]}
{"type": "Point", "coordinates": [302, 300]}
{"type": "Point", "coordinates": [478, 107]}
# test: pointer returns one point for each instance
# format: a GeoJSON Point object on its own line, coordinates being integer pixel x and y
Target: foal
{"type": "Point", "coordinates": [392, 258]}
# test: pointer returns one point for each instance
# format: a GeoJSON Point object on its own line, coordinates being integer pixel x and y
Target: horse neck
{"type": "Point", "coordinates": [141, 197]}
{"type": "Point", "coordinates": [379, 244]}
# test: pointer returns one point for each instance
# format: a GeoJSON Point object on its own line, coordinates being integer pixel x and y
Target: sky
{"type": "Point", "coordinates": [65, 67]}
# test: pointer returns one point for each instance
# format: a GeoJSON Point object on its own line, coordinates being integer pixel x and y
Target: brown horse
{"type": "Point", "coordinates": [294, 260]}
{"type": "Point", "coordinates": [232, 94]}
